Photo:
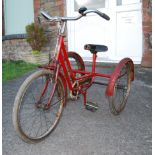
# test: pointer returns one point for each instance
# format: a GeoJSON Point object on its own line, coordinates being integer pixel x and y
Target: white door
{"type": "Point", "coordinates": [128, 41]}
{"type": "Point", "coordinates": [122, 34]}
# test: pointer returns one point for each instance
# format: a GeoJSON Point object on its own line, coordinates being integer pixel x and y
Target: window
{"type": "Point", "coordinates": [3, 23]}
{"type": "Point", "coordinates": [91, 4]}
{"type": "Point", "coordinates": [17, 14]}
{"type": "Point", "coordinates": [125, 2]}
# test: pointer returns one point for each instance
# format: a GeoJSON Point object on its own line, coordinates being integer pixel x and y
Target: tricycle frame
{"type": "Point", "coordinates": [58, 75]}
{"type": "Point", "coordinates": [61, 65]}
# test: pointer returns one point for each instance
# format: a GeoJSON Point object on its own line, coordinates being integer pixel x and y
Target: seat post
{"type": "Point", "coordinates": [94, 62]}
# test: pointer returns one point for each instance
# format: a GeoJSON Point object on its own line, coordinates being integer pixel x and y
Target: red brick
{"type": "Point", "coordinates": [147, 17]}
{"type": "Point", "coordinates": [147, 23]}
{"type": "Point", "coordinates": [147, 59]}
{"type": "Point", "coordinates": [147, 45]}
{"type": "Point", "coordinates": [59, 2]}
{"type": "Point", "coordinates": [146, 3]}
{"type": "Point", "coordinates": [36, 3]}
{"type": "Point", "coordinates": [147, 29]}
{"type": "Point", "coordinates": [146, 35]}
{"type": "Point", "coordinates": [61, 9]}
{"type": "Point", "coordinates": [36, 9]}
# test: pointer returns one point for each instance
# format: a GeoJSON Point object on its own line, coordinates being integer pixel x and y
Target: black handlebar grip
{"type": "Point", "coordinates": [103, 15]}
{"type": "Point", "coordinates": [82, 10]}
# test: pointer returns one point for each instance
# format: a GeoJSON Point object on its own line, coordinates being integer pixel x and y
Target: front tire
{"type": "Point", "coordinates": [32, 120]}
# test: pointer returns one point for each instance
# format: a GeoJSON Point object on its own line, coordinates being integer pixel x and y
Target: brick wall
{"type": "Point", "coordinates": [36, 4]}
{"type": "Point", "coordinates": [54, 8]}
{"type": "Point", "coordinates": [147, 34]}
{"type": "Point", "coordinates": [17, 49]}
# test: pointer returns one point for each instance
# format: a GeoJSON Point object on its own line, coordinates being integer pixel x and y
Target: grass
{"type": "Point", "coordinates": [14, 69]}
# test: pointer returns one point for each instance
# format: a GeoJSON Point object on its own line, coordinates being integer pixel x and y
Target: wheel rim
{"type": "Point", "coordinates": [36, 123]}
{"type": "Point", "coordinates": [75, 64]}
{"type": "Point", "coordinates": [121, 90]}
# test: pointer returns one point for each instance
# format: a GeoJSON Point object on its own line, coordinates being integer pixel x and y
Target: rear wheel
{"type": "Point", "coordinates": [121, 91]}
{"type": "Point", "coordinates": [33, 118]}
{"type": "Point", "coordinates": [76, 62]}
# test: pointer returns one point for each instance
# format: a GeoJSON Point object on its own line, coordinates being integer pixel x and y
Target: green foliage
{"type": "Point", "coordinates": [13, 69]}
{"type": "Point", "coordinates": [36, 36]}
{"type": "Point", "coordinates": [35, 52]}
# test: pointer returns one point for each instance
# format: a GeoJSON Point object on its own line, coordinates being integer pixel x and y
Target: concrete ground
{"type": "Point", "coordinates": [81, 132]}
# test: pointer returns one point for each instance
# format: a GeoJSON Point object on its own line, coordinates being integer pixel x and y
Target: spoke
{"type": "Point", "coordinates": [37, 84]}
{"type": "Point", "coordinates": [47, 91]}
{"type": "Point", "coordinates": [34, 121]}
{"type": "Point", "coordinates": [33, 96]}
{"type": "Point", "coordinates": [121, 86]}
{"type": "Point", "coordinates": [121, 91]}
{"type": "Point", "coordinates": [121, 97]}
{"type": "Point", "coordinates": [34, 116]}
{"type": "Point", "coordinates": [58, 101]}
{"type": "Point", "coordinates": [48, 119]}
{"type": "Point", "coordinates": [46, 122]}
{"type": "Point", "coordinates": [40, 87]}
{"type": "Point", "coordinates": [37, 121]}
{"type": "Point", "coordinates": [43, 99]}
{"type": "Point", "coordinates": [38, 128]}
{"type": "Point", "coordinates": [31, 112]}
{"type": "Point", "coordinates": [41, 122]}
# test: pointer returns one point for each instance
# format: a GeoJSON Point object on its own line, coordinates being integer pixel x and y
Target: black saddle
{"type": "Point", "coordinates": [95, 48]}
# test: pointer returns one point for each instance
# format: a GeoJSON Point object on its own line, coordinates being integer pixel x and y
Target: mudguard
{"type": "Point", "coordinates": [115, 74]}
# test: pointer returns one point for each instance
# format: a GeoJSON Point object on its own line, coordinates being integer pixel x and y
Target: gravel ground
{"type": "Point", "coordinates": [81, 132]}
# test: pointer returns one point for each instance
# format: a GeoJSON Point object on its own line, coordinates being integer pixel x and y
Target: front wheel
{"type": "Point", "coordinates": [121, 91]}
{"type": "Point", "coordinates": [33, 117]}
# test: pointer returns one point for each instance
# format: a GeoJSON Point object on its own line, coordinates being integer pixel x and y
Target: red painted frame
{"type": "Point", "coordinates": [62, 63]}
{"type": "Point", "coordinates": [62, 59]}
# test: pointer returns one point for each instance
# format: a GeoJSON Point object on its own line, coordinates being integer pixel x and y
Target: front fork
{"type": "Point", "coordinates": [54, 80]}
{"type": "Point", "coordinates": [56, 72]}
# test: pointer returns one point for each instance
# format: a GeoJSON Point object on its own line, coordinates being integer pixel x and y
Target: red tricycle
{"type": "Point", "coordinates": [41, 98]}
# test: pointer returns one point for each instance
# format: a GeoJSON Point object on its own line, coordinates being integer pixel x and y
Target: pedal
{"type": "Point", "coordinates": [91, 106]}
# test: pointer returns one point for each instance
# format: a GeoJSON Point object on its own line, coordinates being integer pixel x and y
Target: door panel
{"type": "Point", "coordinates": [129, 35]}
{"type": "Point", "coordinates": [126, 2]}
{"type": "Point", "coordinates": [91, 4]}
{"type": "Point", "coordinates": [90, 29]}
{"type": "Point", "coordinates": [122, 34]}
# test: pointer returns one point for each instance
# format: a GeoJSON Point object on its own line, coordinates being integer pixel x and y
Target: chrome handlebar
{"type": "Point", "coordinates": [57, 18]}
